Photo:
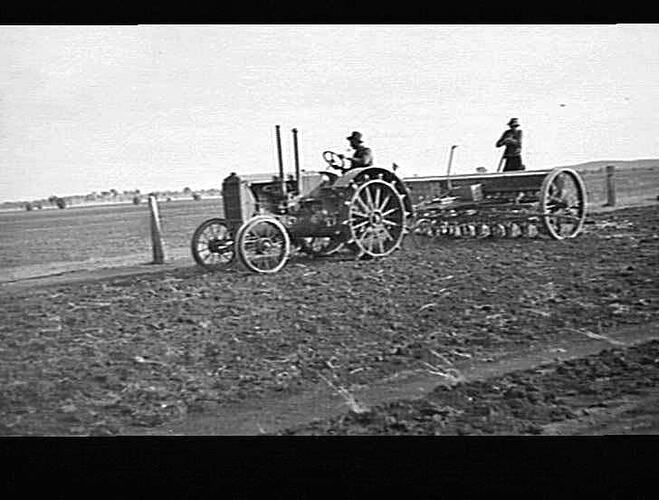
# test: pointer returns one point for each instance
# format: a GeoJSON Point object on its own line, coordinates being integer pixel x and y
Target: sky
{"type": "Point", "coordinates": [94, 108]}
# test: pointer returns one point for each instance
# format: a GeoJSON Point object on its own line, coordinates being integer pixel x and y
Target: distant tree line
{"type": "Point", "coordinates": [57, 201]}
{"type": "Point", "coordinates": [113, 195]}
{"type": "Point", "coordinates": [37, 205]}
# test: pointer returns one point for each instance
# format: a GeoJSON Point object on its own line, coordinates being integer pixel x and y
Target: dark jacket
{"type": "Point", "coordinates": [363, 157]}
{"type": "Point", "coordinates": [512, 139]}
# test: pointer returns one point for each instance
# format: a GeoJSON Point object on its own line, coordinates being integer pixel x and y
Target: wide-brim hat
{"type": "Point", "coordinates": [513, 121]}
{"type": "Point", "coordinates": [355, 136]}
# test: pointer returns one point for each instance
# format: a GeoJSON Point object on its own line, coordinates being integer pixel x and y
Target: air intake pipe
{"type": "Point", "coordinates": [282, 181]}
{"type": "Point", "coordinates": [297, 161]}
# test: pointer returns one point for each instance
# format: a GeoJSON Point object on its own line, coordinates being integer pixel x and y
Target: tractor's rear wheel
{"type": "Point", "coordinates": [376, 218]}
{"type": "Point", "coordinates": [212, 245]}
{"type": "Point", "coordinates": [263, 244]}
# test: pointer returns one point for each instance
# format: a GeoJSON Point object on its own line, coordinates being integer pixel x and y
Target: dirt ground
{"type": "Point", "coordinates": [148, 353]}
{"type": "Point", "coordinates": [613, 392]}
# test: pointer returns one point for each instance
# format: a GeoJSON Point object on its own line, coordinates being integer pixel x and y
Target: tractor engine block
{"type": "Point", "coordinates": [313, 217]}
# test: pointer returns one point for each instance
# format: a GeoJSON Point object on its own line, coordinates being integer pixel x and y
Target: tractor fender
{"type": "Point", "coordinates": [356, 174]}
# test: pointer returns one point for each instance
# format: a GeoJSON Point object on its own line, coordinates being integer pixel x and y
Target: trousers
{"type": "Point", "coordinates": [513, 163]}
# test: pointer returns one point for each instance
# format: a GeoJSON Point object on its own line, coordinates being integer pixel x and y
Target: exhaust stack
{"type": "Point", "coordinates": [281, 163]}
{"type": "Point", "coordinates": [297, 161]}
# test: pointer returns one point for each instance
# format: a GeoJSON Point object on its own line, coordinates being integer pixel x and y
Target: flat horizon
{"type": "Point", "coordinates": [145, 192]}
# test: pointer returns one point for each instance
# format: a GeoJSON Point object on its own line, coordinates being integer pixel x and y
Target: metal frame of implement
{"type": "Point", "coordinates": [527, 203]}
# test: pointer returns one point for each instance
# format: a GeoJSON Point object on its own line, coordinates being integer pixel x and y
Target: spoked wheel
{"type": "Point", "coordinates": [563, 204]}
{"type": "Point", "coordinates": [263, 245]}
{"type": "Point", "coordinates": [212, 245]}
{"type": "Point", "coordinates": [376, 218]}
{"type": "Point", "coordinates": [321, 246]}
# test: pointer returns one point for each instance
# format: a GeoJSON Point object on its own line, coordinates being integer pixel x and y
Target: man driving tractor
{"type": "Point", "coordinates": [362, 157]}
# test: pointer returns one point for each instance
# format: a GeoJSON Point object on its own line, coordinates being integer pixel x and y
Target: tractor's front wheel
{"type": "Point", "coordinates": [263, 244]}
{"type": "Point", "coordinates": [212, 245]}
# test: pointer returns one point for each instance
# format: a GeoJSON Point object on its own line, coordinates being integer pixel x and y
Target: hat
{"type": "Point", "coordinates": [513, 121]}
{"type": "Point", "coordinates": [355, 136]}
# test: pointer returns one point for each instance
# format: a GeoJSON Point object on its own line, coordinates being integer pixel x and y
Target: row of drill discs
{"type": "Point", "coordinates": [476, 230]}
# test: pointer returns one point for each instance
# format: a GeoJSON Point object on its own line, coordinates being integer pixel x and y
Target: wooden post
{"type": "Point", "coordinates": [610, 186]}
{"type": "Point", "coordinates": [156, 232]}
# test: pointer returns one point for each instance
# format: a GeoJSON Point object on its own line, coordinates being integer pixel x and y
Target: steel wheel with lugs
{"type": "Point", "coordinates": [376, 218]}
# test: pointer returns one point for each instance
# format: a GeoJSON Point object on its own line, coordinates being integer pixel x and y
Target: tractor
{"type": "Point", "coordinates": [366, 211]}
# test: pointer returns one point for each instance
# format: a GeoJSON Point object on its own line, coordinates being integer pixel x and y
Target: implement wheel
{"type": "Point", "coordinates": [563, 204]}
{"type": "Point", "coordinates": [263, 244]}
{"type": "Point", "coordinates": [212, 245]}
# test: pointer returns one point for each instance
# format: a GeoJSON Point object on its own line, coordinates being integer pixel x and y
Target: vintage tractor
{"type": "Point", "coordinates": [366, 211]}
{"type": "Point", "coordinates": [508, 204]}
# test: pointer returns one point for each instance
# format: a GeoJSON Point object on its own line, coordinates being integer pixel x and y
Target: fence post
{"type": "Point", "coordinates": [156, 232]}
{"type": "Point", "coordinates": [610, 186]}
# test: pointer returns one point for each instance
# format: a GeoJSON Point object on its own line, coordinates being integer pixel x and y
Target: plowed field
{"type": "Point", "coordinates": [124, 355]}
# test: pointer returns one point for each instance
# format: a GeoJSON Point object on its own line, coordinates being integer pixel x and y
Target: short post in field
{"type": "Point", "coordinates": [610, 186]}
{"type": "Point", "coordinates": [156, 232]}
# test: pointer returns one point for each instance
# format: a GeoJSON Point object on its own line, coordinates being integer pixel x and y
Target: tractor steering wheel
{"type": "Point", "coordinates": [335, 160]}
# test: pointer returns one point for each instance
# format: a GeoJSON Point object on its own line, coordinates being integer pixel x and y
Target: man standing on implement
{"type": "Point", "coordinates": [512, 139]}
